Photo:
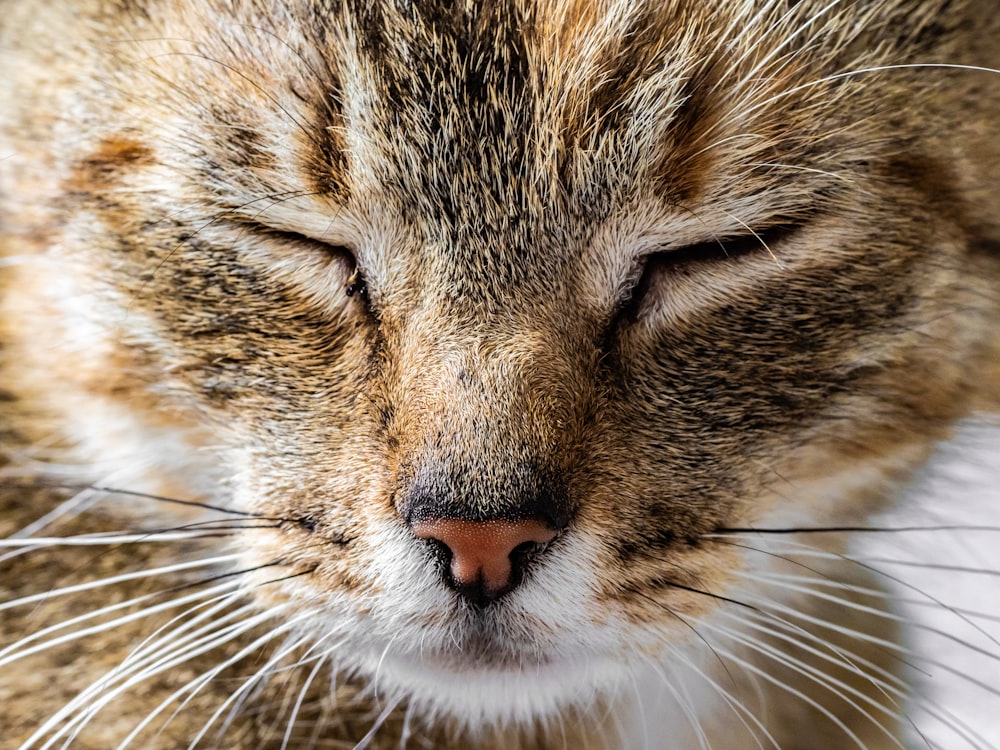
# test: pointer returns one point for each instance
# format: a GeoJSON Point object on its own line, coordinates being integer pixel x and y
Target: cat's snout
{"type": "Point", "coordinates": [487, 558]}
{"type": "Point", "coordinates": [487, 523]}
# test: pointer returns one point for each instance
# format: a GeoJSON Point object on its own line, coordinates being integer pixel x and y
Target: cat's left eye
{"type": "Point", "coordinates": [721, 249]}
{"type": "Point", "coordinates": [715, 255]}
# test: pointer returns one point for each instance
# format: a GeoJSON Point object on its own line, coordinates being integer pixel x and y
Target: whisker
{"type": "Point", "coordinates": [297, 707]}
{"type": "Point", "coordinates": [959, 727]}
{"type": "Point", "coordinates": [382, 718]}
{"type": "Point", "coordinates": [775, 606]}
{"type": "Point", "coordinates": [236, 698]}
{"type": "Point", "coordinates": [17, 651]}
{"type": "Point", "coordinates": [90, 585]}
{"type": "Point", "coordinates": [195, 685]}
{"type": "Point", "coordinates": [834, 685]}
{"type": "Point", "coordinates": [889, 684]}
{"type": "Point", "coordinates": [928, 566]}
{"type": "Point", "coordinates": [71, 718]}
{"type": "Point", "coordinates": [683, 700]}
{"type": "Point", "coordinates": [874, 611]}
{"type": "Point", "coordinates": [792, 530]}
{"type": "Point", "coordinates": [691, 627]}
{"type": "Point", "coordinates": [765, 675]}
{"type": "Point", "coordinates": [98, 696]}
{"type": "Point", "coordinates": [71, 507]}
{"type": "Point", "coordinates": [807, 551]}
{"type": "Point", "coordinates": [177, 501]}
{"type": "Point", "coordinates": [167, 651]}
{"type": "Point", "coordinates": [833, 583]}
{"type": "Point", "coordinates": [316, 650]}
{"type": "Point", "coordinates": [110, 490]}
{"type": "Point", "coordinates": [864, 71]}
{"type": "Point", "coordinates": [172, 659]}
{"type": "Point", "coordinates": [182, 628]}
{"type": "Point", "coordinates": [96, 540]}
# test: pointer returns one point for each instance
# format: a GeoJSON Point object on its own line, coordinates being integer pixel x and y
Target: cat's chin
{"type": "Point", "coordinates": [476, 694]}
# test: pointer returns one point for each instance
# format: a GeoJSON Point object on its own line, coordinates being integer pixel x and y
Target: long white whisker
{"type": "Point", "coordinates": [864, 71]}
{"type": "Point", "coordinates": [205, 640]}
{"type": "Point", "coordinates": [236, 697]}
{"type": "Point", "coordinates": [378, 667]}
{"type": "Point", "coordinates": [111, 580]}
{"type": "Point", "coordinates": [847, 603]}
{"type": "Point", "coordinates": [175, 629]}
{"type": "Point", "coordinates": [17, 651]}
{"type": "Point", "coordinates": [382, 717]}
{"type": "Point", "coordinates": [891, 646]}
{"type": "Point", "coordinates": [890, 685]}
{"type": "Point", "coordinates": [71, 507]}
{"type": "Point", "coordinates": [300, 700]}
{"type": "Point", "coordinates": [884, 680]}
{"type": "Point", "coordinates": [876, 593]}
{"type": "Point", "coordinates": [793, 691]}
{"type": "Point", "coordinates": [683, 701]}
{"type": "Point", "coordinates": [959, 727]}
{"type": "Point", "coordinates": [97, 540]}
{"type": "Point", "coordinates": [836, 686]}
{"type": "Point", "coordinates": [315, 652]}
{"type": "Point", "coordinates": [741, 711]}
{"type": "Point", "coordinates": [95, 703]}
{"type": "Point", "coordinates": [101, 692]}
{"type": "Point", "coordinates": [803, 550]}
{"type": "Point", "coordinates": [187, 636]}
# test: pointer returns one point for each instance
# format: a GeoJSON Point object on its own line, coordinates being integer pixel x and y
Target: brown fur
{"type": "Point", "coordinates": [669, 268]}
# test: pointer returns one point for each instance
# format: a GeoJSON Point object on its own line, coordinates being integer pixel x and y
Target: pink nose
{"type": "Point", "coordinates": [481, 550]}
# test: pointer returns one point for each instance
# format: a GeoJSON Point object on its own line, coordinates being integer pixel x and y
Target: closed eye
{"type": "Point", "coordinates": [691, 259]}
{"type": "Point", "coordinates": [305, 241]}
{"type": "Point", "coordinates": [355, 283]}
{"type": "Point", "coordinates": [728, 248]}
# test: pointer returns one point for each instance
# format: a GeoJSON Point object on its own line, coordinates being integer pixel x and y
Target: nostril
{"type": "Point", "coordinates": [525, 551]}
{"type": "Point", "coordinates": [486, 557]}
{"type": "Point", "coordinates": [440, 551]}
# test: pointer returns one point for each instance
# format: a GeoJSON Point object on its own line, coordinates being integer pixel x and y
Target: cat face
{"type": "Point", "coordinates": [604, 284]}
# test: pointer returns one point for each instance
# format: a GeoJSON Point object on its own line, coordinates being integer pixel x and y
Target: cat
{"type": "Point", "coordinates": [502, 374]}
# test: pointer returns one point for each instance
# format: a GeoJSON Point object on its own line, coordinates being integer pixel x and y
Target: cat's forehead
{"type": "Point", "coordinates": [514, 122]}
{"type": "Point", "coordinates": [502, 109]}
{"type": "Point", "coordinates": [506, 129]}
{"type": "Point", "coordinates": [530, 124]}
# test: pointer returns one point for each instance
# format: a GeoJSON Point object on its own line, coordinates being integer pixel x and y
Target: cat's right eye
{"type": "Point", "coordinates": [357, 285]}
{"type": "Point", "coordinates": [327, 272]}
{"type": "Point", "coordinates": [332, 251]}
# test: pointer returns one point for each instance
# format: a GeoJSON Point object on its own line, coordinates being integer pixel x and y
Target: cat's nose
{"type": "Point", "coordinates": [487, 557]}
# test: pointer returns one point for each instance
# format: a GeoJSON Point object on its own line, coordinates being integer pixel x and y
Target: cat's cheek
{"type": "Point", "coordinates": [91, 381]}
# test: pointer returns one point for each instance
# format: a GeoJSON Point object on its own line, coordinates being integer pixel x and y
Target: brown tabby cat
{"type": "Point", "coordinates": [497, 374]}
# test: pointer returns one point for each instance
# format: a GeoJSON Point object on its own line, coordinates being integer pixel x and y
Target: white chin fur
{"type": "Point", "coordinates": [475, 697]}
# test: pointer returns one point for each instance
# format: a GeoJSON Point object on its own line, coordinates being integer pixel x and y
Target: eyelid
{"type": "Point", "coordinates": [304, 240]}
{"type": "Point", "coordinates": [718, 250]}
{"type": "Point", "coordinates": [354, 281]}
{"type": "Point", "coordinates": [731, 246]}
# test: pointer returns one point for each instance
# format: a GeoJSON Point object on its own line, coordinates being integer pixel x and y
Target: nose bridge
{"type": "Point", "coordinates": [488, 429]}
{"type": "Point", "coordinates": [501, 386]}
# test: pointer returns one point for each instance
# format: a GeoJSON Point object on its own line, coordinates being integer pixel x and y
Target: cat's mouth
{"type": "Point", "coordinates": [479, 649]}
{"type": "Point", "coordinates": [482, 638]}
